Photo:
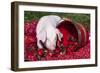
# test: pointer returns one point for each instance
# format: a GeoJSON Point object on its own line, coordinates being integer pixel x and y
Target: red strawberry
{"type": "Point", "coordinates": [40, 52]}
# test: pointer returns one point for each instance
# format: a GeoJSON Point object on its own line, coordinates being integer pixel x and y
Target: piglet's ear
{"type": "Point", "coordinates": [59, 34]}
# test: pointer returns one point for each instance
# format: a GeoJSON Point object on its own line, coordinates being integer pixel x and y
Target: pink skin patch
{"type": "Point", "coordinates": [52, 46]}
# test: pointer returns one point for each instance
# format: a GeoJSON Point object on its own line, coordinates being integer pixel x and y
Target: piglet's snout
{"type": "Point", "coordinates": [52, 46]}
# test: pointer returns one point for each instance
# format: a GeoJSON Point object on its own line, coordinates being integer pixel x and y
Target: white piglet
{"type": "Point", "coordinates": [46, 31]}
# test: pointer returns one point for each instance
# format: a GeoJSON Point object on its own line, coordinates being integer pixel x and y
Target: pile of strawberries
{"type": "Point", "coordinates": [64, 50]}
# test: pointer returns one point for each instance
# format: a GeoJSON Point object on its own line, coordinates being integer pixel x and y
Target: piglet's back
{"type": "Point", "coordinates": [47, 20]}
